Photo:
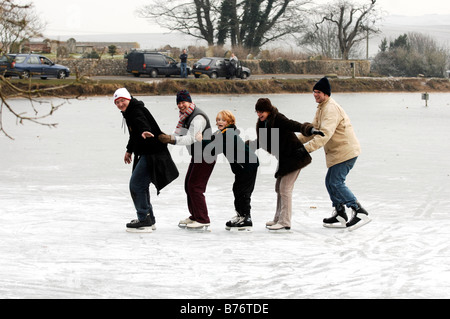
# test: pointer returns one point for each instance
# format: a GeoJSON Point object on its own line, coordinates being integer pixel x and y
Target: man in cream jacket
{"type": "Point", "coordinates": [342, 149]}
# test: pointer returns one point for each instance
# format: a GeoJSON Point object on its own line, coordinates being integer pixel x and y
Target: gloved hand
{"type": "Point", "coordinates": [316, 132]}
{"type": "Point", "coordinates": [166, 139]}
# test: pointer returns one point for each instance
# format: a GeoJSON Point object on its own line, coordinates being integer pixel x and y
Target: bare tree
{"type": "Point", "coordinates": [246, 23]}
{"type": "Point", "coordinates": [195, 18]}
{"type": "Point", "coordinates": [17, 22]}
{"type": "Point", "coordinates": [262, 22]}
{"type": "Point", "coordinates": [353, 23]}
{"type": "Point", "coordinates": [320, 39]}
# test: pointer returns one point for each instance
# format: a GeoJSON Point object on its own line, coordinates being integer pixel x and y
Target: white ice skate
{"type": "Point", "coordinates": [183, 223]}
{"type": "Point", "coordinates": [199, 227]}
{"type": "Point", "coordinates": [270, 223]}
{"type": "Point", "coordinates": [278, 228]}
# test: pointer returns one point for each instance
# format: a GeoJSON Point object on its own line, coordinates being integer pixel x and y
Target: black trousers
{"type": "Point", "coordinates": [244, 184]}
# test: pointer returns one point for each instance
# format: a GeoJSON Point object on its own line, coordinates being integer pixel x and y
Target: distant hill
{"type": "Point", "coordinates": [437, 26]}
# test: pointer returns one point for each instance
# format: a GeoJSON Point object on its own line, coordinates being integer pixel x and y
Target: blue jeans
{"type": "Point", "coordinates": [335, 183]}
{"type": "Point", "coordinates": [139, 189]}
{"type": "Point", "coordinates": [183, 67]}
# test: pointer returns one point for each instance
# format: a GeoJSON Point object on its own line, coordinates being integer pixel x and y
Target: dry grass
{"type": "Point", "coordinates": [270, 86]}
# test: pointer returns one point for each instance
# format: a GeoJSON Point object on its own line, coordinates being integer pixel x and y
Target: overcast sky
{"type": "Point", "coordinates": [82, 17]}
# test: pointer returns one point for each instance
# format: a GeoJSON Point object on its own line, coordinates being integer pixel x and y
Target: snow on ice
{"type": "Point", "coordinates": [64, 203]}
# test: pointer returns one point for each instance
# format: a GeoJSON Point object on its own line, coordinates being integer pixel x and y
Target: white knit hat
{"type": "Point", "coordinates": [122, 93]}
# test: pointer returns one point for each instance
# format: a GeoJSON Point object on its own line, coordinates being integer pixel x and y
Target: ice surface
{"type": "Point", "coordinates": [64, 202]}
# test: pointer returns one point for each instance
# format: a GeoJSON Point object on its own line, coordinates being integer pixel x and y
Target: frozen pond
{"type": "Point", "coordinates": [64, 202]}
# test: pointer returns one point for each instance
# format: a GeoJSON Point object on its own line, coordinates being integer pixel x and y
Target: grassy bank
{"type": "Point", "coordinates": [208, 86]}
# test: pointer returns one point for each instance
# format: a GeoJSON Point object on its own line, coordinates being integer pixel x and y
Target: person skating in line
{"type": "Point", "coordinates": [342, 149]}
{"type": "Point", "coordinates": [244, 165]}
{"type": "Point", "coordinates": [275, 134]}
{"type": "Point", "coordinates": [152, 160]}
{"type": "Point", "coordinates": [193, 120]}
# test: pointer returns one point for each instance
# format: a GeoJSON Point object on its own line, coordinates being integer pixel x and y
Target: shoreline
{"type": "Point", "coordinates": [87, 87]}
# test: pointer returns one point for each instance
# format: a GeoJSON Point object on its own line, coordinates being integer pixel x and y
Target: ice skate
{"type": "Point", "coordinates": [360, 218]}
{"type": "Point", "coordinates": [270, 223]}
{"type": "Point", "coordinates": [338, 220]}
{"type": "Point", "coordinates": [183, 223]}
{"type": "Point", "coordinates": [199, 227]}
{"type": "Point", "coordinates": [278, 228]}
{"type": "Point", "coordinates": [137, 226]}
{"type": "Point", "coordinates": [232, 221]}
{"type": "Point", "coordinates": [240, 223]}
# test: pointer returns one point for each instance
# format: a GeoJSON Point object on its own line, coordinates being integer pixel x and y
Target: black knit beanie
{"type": "Point", "coordinates": [183, 96]}
{"type": "Point", "coordinates": [323, 86]}
{"type": "Point", "coordinates": [264, 105]}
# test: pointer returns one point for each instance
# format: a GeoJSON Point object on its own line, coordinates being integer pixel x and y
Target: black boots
{"type": "Point", "coordinates": [360, 217]}
{"type": "Point", "coordinates": [338, 220]}
{"type": "Point", "coordinates": [240, 223]}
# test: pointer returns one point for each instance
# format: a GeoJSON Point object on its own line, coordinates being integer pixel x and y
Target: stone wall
{"type": "Point", "coordinates": [338, 67]}
{"type": "Point", "coordinates": [94, 67]}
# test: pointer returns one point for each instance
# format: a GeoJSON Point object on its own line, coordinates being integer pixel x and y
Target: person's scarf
{"type": "Point", "coordinates": [183, 117]}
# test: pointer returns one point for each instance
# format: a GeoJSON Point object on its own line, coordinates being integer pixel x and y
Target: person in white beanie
{"type": "Point", "coordinates": [152, 160]}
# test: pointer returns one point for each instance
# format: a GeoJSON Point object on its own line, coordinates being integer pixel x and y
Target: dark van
{"type": "Point", "coordinates": [152, 64]}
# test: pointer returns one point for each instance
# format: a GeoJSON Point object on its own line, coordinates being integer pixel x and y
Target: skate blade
{"type": "Point", "coordinates": [203, 229]}
{"type": "Point", "coordinates": [342, 223]}
{"type": "Point", "coordinates": [239, 229]}
{"type": "Point", "coordinates": [335, 225]}
{"type": "Point", "coordinates": [364, 221]}
{"type": "Point", "coordinates": [280, 231]}
{"type": "Point", "coordinates": [182, 226]}
{"type": "Point", "coordinates": [140, 230]}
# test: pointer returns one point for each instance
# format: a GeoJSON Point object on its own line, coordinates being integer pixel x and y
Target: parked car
{"type": "Point", "coordinates": [219, 67]}
{"type": "Point", "coordinates": [5, 64]}
{"type": "Point", "coordinates": [153, 64]}
{"type": "Point", "coordinates": [28, 65]}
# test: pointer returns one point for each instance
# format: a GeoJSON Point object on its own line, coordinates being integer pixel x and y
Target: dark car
{"type": "Point", "coordinates": [153, 64]}
{"type": "Point", "coordinates": [219, 67]}
{"type": "Point", "coordinates": [5, 64]}
{"type": "Point", "coordinates": [28, 65]}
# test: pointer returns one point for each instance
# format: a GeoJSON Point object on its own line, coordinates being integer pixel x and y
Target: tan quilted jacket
{"type": "Point", "coordinates": [340, 142]}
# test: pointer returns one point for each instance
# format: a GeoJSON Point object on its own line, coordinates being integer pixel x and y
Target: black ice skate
{"type": "Point", "coordinates": [360, 218]}
{"type": "Point", "coordinates": [145, 226]}
{"type": "Point", "coordinates": [338, 220]}
{"type": "Point", "coordinates": [240, 223]}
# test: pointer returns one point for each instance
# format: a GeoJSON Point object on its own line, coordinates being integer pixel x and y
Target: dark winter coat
{"type": "Point", "coordinates": [160, 164]}
{"type": "Point", "coordinates": [183, 58]}
{"type": "Point", "coordinates": [139, 120]}
{"type": "Point", "coordinates": [289, 151]}
{"type": "Point", "coordinates": [229, 143]}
